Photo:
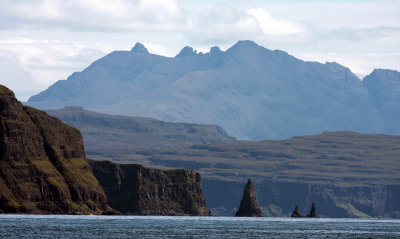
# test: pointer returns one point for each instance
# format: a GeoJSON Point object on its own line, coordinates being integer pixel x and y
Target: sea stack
{"type": "Point", "coordinates": [312, 211]}
{"type": "Point", "coordinates": [296, 212]}
{"type": "Point", "coordinates": [248, 205]}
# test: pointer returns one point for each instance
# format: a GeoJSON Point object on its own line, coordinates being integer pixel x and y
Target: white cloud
{"type": "Point", "coordinates": [159, 49]}
{"type": "Point", "coordinates": [359, 63]}
{"type": "Point", "coordinates": [93, 15]}
{"type": "Point", "coordinates": [28, 66]}
{"type": "Point", "coordinates": [50, 39]}
{"type": "Point", "coordinates": [272, 26]}
{"type": "Point", "coordinates": [15, 77]}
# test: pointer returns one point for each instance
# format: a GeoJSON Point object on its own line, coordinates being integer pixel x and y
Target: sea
{"type": "Point", "coordinates": [78, 226]}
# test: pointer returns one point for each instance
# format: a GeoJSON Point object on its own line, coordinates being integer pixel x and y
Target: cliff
{"type": "Point", "coordinates": [134, 189]}
{"type": "Point", "coordinates": [248, 205]}
{"type": "Point", "coordinates": [42, 164]}
{"type": "Point", "coordinates": [346, 174]}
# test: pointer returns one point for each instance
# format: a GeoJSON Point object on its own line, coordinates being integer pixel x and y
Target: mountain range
{"type": "Point", "coordinates": [250, 91]}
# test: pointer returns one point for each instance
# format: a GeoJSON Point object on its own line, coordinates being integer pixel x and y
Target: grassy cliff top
{"type": "Point", "coordinates": [340, 158]}
{"type": "Point", "coordinates": [4, 90]}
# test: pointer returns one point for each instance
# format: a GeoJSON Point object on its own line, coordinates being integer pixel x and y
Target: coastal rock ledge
{"type": "Point", "coordinates": [137, 190]}
{"type": "Point", "coordinates": [248, 205]}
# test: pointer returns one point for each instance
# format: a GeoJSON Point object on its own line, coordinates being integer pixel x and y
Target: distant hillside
{"type": "Point", "coordinates": [343, 158]}
{"type": "Point", "coordinates": [250, 91]}
{"type": "Point", "coordinates": [103, 131]}
{"type": "Point", "coordinates": [347, 174]}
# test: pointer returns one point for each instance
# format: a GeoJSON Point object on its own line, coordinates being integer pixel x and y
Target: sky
{"type": "Point", "coordinates": [43, 41]}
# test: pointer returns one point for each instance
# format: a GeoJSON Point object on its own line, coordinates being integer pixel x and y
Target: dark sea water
{"type": "Point", "coordinates": [60, 226]}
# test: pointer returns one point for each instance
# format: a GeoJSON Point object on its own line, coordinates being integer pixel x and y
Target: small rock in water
{"type": "Point", "coordinates": [296, 212]}
{"type": "Point", "coordinates": [312, 211]}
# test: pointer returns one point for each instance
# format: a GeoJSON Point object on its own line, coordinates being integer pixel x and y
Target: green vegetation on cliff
{"type": "Point", "coordinates": [43, 167]}
{"type": "Point", "coordinates": [3, 90]}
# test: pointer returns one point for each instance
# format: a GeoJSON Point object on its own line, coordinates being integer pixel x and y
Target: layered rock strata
{"type": "Point", "coordinates": [42, 164]}
{"type": "Point", "coordinates": [134, 189]}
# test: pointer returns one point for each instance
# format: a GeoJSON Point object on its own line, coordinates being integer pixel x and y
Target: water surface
{"type": "Point", "coordinates": [71, 226]}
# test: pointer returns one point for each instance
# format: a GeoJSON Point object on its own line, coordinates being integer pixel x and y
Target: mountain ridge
{"type": "Point", "coordinates": [250, 91]}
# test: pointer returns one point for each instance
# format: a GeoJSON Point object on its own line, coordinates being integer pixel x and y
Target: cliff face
{"type": "Point", "coordinates": [134, 189]}
{"type": "Point", "coordinates": [248, 205]}
{"type": "Point", "coordinates": [42, 164]}
{"type": "Point", "coordinates": [346, 174]}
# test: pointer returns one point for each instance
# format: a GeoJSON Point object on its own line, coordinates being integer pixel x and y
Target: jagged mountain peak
{"type": "Point", "coordinates": [383, 75]}
{"type": "Point", "coordinates": [246, 43]}
{"type": "Point", "coordinates": [251, 91]}
{"type": "Point", "coordinates": [384, 72]}
{"type": "Point", "coordinates": [186, 51]}
{"type": "Point", "coordinates": [139, 48]}
{"type": "Point", "coordinates": [215, 50]}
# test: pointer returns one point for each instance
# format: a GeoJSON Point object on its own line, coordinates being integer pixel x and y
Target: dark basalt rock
{"type": "Point", "coordinates": [312, 211]}
{"type": "Point", "coordinates": [296, 212]}
{"type": "Point", "coordinates": [248, 205]}
{"type": "Point", "coordinates": [42, 164]}
{"type": "Point", "coordinates": [134, 189]}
